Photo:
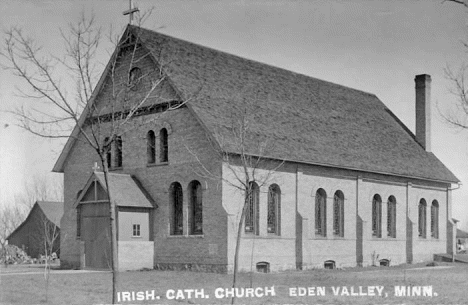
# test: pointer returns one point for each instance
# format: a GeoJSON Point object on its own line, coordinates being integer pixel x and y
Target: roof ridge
{"type": "Point", "coordinates": [257, 62]}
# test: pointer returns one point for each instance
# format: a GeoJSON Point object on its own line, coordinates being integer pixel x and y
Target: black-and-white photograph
{"type": "Point", "coordinates": [265, 152]}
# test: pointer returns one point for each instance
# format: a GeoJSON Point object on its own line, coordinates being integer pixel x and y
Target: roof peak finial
{"type": "Point", "coordinates": [130, 11]}
{"type": "Point", "coordinates": [96, 167]}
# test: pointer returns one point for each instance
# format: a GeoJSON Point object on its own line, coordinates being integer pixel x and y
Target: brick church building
{"type": "Point", "coordinates": [354, 187]}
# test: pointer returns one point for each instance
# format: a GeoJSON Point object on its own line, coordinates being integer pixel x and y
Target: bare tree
{"type": "Point", "coordinates": [10, 218]}
{"type": "Point", "coordinates": [247, 166]}
{"type": "Point", "coordinates": [50, 237]}
{"type": "Point", "coordinates": [57, 108]}
{"type": "Point", "coordinates": [39, 188]}
{"type": "Point", "coordinates": [458, 115]}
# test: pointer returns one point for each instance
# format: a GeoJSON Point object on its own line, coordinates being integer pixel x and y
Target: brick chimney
{"type": "Point", "coordinates": [423, 110]}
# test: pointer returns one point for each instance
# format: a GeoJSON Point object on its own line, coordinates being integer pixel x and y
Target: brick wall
{"type": "Point", "coordinates": [188, 146]}
{"type": "Point", "coordinates": [299, 244]}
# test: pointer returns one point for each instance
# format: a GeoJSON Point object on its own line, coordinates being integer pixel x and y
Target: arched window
{"type": "Point", "coordinates": [176, 200]}
{"type": "Point", "coordinates": [196, 208]}
{"type": "Point", "coordinates": [164, 146]}
{"type": "Point", "coordinates": [274, 210]}
{"type": "Point", "coordinates": [422, 218]}
{"type": "Point", "coordinates": [391, 217]}
{"type": "Point", "coordinates": [435, 219]}
{"type": "Point", "coordinates": [78, 220]}
{"type": "Point", "coordinates": [134, 78]}
{"type": "Point", "coordinates": [151, 147]}
{"type": "Point", "coordinates": [338, 214]}
{"type": "Point", "coordinates": [377, 216]}
{"type": "Point", "coordinates": [252, 213]}
{"type": "Point", "coordinates": [108, 154]}
{"type": "Point", "coordinates": [321, 213]}
{"type": "Point", "coordinates": [118, 151]}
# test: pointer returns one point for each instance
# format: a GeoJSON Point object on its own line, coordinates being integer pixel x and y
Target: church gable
{"type": "Point", "coordinates": [134, 80]}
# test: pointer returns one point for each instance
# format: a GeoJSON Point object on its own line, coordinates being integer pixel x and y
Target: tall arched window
{"type": "Point", "coordinates": [435, 219]}
{"type": "Point", "coordinates": [252, 213]}
{"type": "Point", "coordinates": [118, 151]}
{"type": "Point", "coordinates": [108, 154]}
{"type": "Point", "coordinates": [321, 213]}
{"type": "Point", "coordinates": [391, 217]}
{"type": "Point", "coordinates": [377, 216]}
{"type": "Point", "coordinates": [422, 218]}
{"type": "Point", "coordinates": [164, 146]}
{"type": "Point", "coordinates": [176, 200]}
{"type": "Point", "coordinates": [151, 147]}
{"type": "Point", "coordinates": [274, 210]}
{"type": "Point", "coordinates": [78, 221]}
{"type": "Point", "coordinates": [196, 208]}
{"type": "Point", "coordinates": [338, 214]}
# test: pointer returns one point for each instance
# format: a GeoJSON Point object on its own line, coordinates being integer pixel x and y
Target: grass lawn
{"type": "Point", "coordinates": [448, 281]}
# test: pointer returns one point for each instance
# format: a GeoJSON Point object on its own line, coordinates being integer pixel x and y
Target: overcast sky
{"type": "Point", "coordinates": [375, 46]}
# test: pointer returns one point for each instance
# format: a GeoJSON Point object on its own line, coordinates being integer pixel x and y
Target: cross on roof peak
{"type": "Point", "coordinates": [130, 11]}
{"type": "Point", "coordinates": [96, 167]}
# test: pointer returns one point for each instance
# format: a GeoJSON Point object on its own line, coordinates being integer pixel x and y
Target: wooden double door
{"type": "Point", "coordinates": [96, 235]}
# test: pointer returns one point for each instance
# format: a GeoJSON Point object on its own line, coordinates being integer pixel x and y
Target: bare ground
{"type": "Point", "coordinates": [446, 283]}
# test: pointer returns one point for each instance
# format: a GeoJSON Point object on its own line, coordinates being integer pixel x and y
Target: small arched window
{"type": "Point", "coordinates": [435, 219]}
{"type": "Point", "coordinates": [151, 147]}
{"type": "Point", "coordinates": [118, 151]}
{"type": "Point", "coordinates": [338, 214]}
{"type": "Point", "coordinates": [377, 216]}
{"type": "Point", "coordinates": [391, 217]}
{"type": "Point", "coordinates": [164, 146]}
{"type": "Point", "coordinates": [321, 213]}
{"type": "Point", "coordinates": [274, 210]}
{"type": "Point", "coordinates": [177, 217]}
{"type": "Point", "coordinates": [252, 213]}
{"type": "Point", "coordinates": [134, 78]}
{"type": "Point", "coordinates": [422, 218]}
{"type": "Point", "coordinates": [196, 208]}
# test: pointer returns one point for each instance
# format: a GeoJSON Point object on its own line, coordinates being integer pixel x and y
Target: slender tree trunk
{"type": "Point", "coordinates": [113, 232]}
{"type": "Point", "coordinates": [238, 243]}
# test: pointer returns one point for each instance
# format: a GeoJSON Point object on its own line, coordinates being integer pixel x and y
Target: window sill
{"type": "Point", "coordinates": [157, 164]}
{"type": "Point", "coordinates": [320, 237]}
{"type": "Point", "coordinates": [273, 235]}
{"type": "Point", "coordinates": [136, 237]}
{"type": "Point", "coordinates": [111, 169]}
{"type": "Point", "coordinates": [250, 236]}
{"type": "Point", "coordinates": [185, 236]}
{"type": "Point", "coordinates": [338, 237]}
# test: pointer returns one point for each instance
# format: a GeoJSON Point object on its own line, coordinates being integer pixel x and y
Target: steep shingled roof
{"type": "Point", "coordinates": [309, 120]}
{"type": "Point", "coordinates": [126, 191]}
{"type": "Point", "coordinates": [52, 210]}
